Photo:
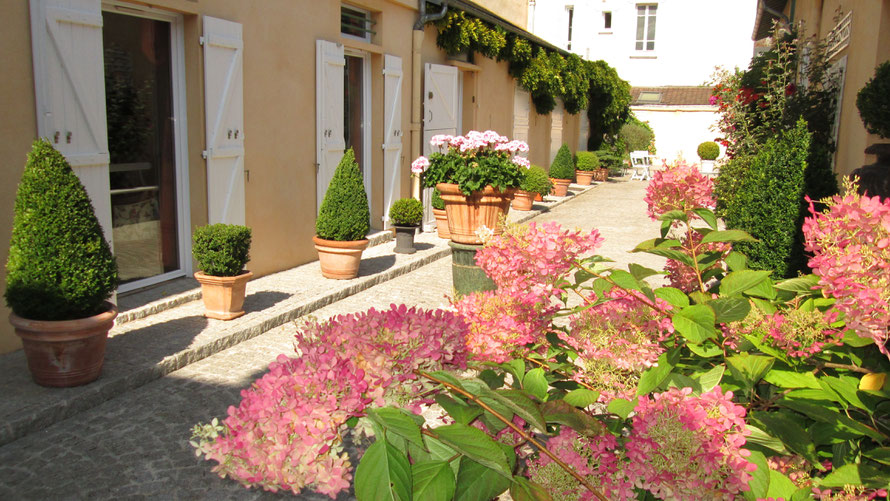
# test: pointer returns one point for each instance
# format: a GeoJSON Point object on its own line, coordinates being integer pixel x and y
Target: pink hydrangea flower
{"type": "Point", "coordinates": [850, 243]}
{"type": "Point", "coordinates": [500, 325]}
{"type": "Point", "coordinates": [678, 187]}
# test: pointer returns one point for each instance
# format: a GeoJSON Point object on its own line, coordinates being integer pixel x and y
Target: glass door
{"type": "Point", "coordinates": [139, 101]}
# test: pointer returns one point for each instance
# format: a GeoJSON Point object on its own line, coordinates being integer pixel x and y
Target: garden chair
{"type": "Point", "coordinates": [640, 162]}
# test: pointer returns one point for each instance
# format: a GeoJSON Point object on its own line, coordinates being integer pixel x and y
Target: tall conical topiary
{"type": "Point", "coordinates": [344, 213]}
{"type": "Point", "coordinates": [563, 167]}
{"type": "Point", "coordinates": [60, 266]}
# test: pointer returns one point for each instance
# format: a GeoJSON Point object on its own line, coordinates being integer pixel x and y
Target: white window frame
{"type": "Point", "coordinates": [647, 14]}
{"type": "Point", "coordinates": [367, 14]}
{"type": "Point", "coordinates": [366, 115]}
{"type": "Point", "coordinates": [570, 14]}
{"type": "Point", "coordinates": [180, 136]}
{"type": "Point", "coordinates": [607, 29]}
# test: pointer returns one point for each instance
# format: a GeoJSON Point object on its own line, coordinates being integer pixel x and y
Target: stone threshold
{"type": "Point", "coordinates": [172, 332]}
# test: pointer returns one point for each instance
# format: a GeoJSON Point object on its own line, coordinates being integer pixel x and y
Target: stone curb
{"type": "Point", "coordinates": [26, 419]}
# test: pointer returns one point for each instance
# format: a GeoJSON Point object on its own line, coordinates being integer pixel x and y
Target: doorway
{"type": "Point", "coordinates": [357, 112]}
{"type": "Point", "coordinates": [142, 101]}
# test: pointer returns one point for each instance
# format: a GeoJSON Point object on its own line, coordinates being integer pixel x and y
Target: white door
{"type": "Point", "coordinates": [66, 39]}
{"type": "Point", "coordinates": [224, 120]}
{"type": "Point", "coordinates": [392, 135]}
{"type": "Point", "coordinates": [555, 130]}
{"type": "Point", "coordinates": [441, 115]}
{"type": "Point", "coordinates": [330, 143]}
{"type": "Point", "coordinates": [521, 110]}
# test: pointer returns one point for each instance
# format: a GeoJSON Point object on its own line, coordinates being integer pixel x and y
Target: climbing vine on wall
{"type": "Point", "coordinates": [545, 73]}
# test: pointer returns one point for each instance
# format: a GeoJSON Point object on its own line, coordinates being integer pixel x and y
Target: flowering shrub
{"type": "Point", "coordinates": [473, 161]}
{"type": "Point", "coordinates": [679, 187]}
{"type": "Point", "coordinates": [850, 243]}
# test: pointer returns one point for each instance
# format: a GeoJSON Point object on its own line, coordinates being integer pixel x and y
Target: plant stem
{"type": "Point", "coordinates": [528, 438]}
{"type": "Point", "coordinates": [854, 368]}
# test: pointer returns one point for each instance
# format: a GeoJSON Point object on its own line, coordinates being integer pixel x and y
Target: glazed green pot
{"type": "Point", "coordinates": [466, 275]}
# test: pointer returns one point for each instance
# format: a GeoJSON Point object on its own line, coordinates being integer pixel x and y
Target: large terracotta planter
{"type": "Point", "coordinates": [223, 296]}
{"type": "Point", "coordinates": [539, 197]}
{"type": "Point", "coordinates": [442, 223]}
{"type": "Point", "coordinates": [523, 200]}
{"type": "Point", "coordinates": [560, 187]}
{"type": "Point", "coordinates": [584, 177]}
{"type": "Point", "coordinates": [339, 260]}
{"type": "Point", "coordinates": [65, 353]}
{"type": "Point", "coordinates": [468, 213]}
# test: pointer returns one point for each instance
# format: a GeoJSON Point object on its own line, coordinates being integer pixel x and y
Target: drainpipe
{"type": "Point", "coordinates": [416, 91]}
{"type": "Point", "coordinates": [778, 14]}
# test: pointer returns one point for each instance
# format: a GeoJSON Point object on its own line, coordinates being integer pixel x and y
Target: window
{"type": "Point", "coordinates": [356, 23]}
{"type": "Point", "coordinates": [646, 27]}
{"type": "Point", "coordinates": [607, 20]}
{"type": "Point", "coordinates": [571, 10]}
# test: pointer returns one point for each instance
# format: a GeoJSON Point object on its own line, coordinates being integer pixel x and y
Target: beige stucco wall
{"type": "Point", "coordinates": [869, 46]}
{"type": "Point", "coordinates": [515, 11]}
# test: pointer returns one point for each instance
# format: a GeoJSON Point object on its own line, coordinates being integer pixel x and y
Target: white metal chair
{"type": "Point", "coordinates": [640, 162]}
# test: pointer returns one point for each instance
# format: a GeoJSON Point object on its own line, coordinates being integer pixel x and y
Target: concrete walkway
{"type": "Point", "coordinates": [126, 435]}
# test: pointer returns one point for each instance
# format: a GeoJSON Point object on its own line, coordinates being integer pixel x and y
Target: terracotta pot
{"type": "Point", "coordinates": [405, 239]}
{"type": "Point", "coordinates": [64, 353]}
{"type": "Point", "coordinates": [468, 213]}
{"type": "Point", "coordinates": [523, 200]}
{"type": "Point", "coordinates": [601, 175]}
{"type": "Point", "coordinates": [223, 296]}
{"type": "Point", "coordinates": [584, 177]}
{"type": "Point", "coordinates": [560, 187]}
{"type": "Point", "coordinates": [339, 260]}
{"type": "Point", "coordinates": [442, 223]}
{"type": "Point", "coordinates": [539, 197]}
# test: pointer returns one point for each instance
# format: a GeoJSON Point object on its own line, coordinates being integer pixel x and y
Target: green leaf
{"type": "Point", "coordinates": [474, 444]}
{"type": "Point", "coordinates": [673, 254]}
{"type": "Point", "coordinates": [441, 452]}
{"type": "Point", "coordinates": [791, 379]}
{"type": "Point", "coordinates": [856, 474]}
{"type": "Point", "coordinates": [521, 405]}
{"type": "Point", "coordinates": [654, 376]}
{"type": "Point", "coordinates": [433, 481]}
{"type": "Point", "coordinates": [789, 432]}
{"type": "Point", "coordinates": [749, 369]}
{"type": "Point", "coordinates": [460, 412]}
{"type": "Point", "coordinates": [641, 272]}
{"type": "Point", "coordinates": [621, 407]}
{"type": "Point", "coordinates": [736, 261]}
{"type": "Point", "coordinates": [856, 341]}
{"type": "Point", "coordinates": [681, 381]}
{"type": "Point", "coordinates": [881, 455]}
{"type": "Point", "coordinates": [673, 215]}
{"type": "Point", "coordinates": [764, 289]}
{"type": "Point", "coordinates": [675, 297]}
{"type": "Point", "coordinates": [523, 489]}
{"type": "Point", "coordinates": [476, 482]}
{"type": "Point", "coordinates": [760, 437]}
{"type": "Point", "coordinates": [383, 474]}
{"type": "Point", "coordinates": [706, 350]}
{"type": "Point", "coordinates": [738, 282]}
{"type": "Point", "coordinates": [657, 243]}
{"type": "Point", "coordinates": [846, 390]}
{"type": "Point", "coordinates": [515, 367]}
{"type": "Point", "coordinates": [760, 477]}
{"type": "Point", "coordinates": [727, 236]}
{"type": "Point", "coordinates": [492, 379]}
{"type": "Point", "coordinates": [582, 397]}
{"type": "Point", "coordinates": [447, 377]}
{"type": "Point", "coordinates": [780, 486]}
{"type": "Point", "coordinates": [396, 421]}
{"type": "Point", "coordinates": [695, 323]}
{"type": "Point", "coordinates": [535, 383]}
{"type": "Point", "coordinates": [712, 378]}
{"type": "Point", "coordinates": [561, 412]}
{"type": "Point", "coordinates": [802, 284]}
{"type": "Point", "coordinates": [730, 309]}
{"type": "Point", "coordinates": [825, 415]}
{"type": "Point", "coordinates": [707, 216]}
{"type": "Point", "coordinates": [625, 280]}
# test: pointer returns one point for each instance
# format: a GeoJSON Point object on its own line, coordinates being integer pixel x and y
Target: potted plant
{"type": "Point", "coordinates": [708, 151]}
{"type": "Point", "coordinates": [587, 168]}
{"type": "Point", "coordinates": [562, 171]}
{"type": "Point", "coordinates": [60, 273]}
{"type": "Point", "coordinates": [476, 176]}
{"type": "Point", "coordinates": [440, 215]}
{"type": "Point", "coordinates": [222, 250]}
{"type": "Point", "coordinates": [405, 215]}
{"type": "Point", "coordinates": [873, 102]}
{"type": "Point", "coordinates": [534, 182]}
{"type": "Point", "coordinates": [343, 222]}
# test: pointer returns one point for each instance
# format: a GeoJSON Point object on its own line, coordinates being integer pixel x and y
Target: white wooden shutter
{"type": "Point", "coordinates": [440, 116]}
{"type": "Point", "coordinates": [330, 141]}
{"type": "Point", "coordinates": [555, 130]}
{"type": "Point", "coordinates": [69, 81]}
{"type": "Point", "coordinates": [392, 127]}
{"type": "Point", "coordinates": [521, 110]}
{"type": "Point", "coordinates": [224, 120]}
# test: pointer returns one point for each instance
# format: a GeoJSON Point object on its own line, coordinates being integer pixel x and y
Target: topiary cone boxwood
{"type": "Point", "coordinates": [60, 266]}
{"type": "Point", "coordinates": [59, 273]}
{"type": "Point", "coordinates": [343, 222]}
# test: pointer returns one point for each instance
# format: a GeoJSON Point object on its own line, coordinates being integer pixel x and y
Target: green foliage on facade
{"type": "Point", "coordinates": [60, 266]}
